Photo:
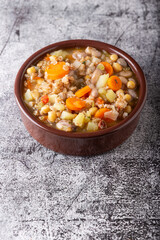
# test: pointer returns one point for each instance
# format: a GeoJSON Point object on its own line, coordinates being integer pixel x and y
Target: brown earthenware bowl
{"type": "Point", "coordinates": [77, 143]}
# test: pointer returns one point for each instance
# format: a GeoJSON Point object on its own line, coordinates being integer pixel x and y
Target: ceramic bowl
{"type": "Point", "coordinates": [77, 143]}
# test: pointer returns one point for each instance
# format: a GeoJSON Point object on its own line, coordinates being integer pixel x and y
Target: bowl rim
{"type": "Point", "coordinates": [81, 43]}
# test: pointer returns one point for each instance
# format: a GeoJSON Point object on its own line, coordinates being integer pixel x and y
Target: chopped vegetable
{"type": "Point", "coordinates": [87, 117]}
{"type": "Point", "coordinates": [52, 116]}
{"type": "Point", "coordinates": [99, 100]}
{"type": "Point", "coordinates": [92, 126]}
{"type": "Point", "coordinates": [101, 66]}
{"type": "Point", "coordinates": [114, 83]}
{"type": "Point", "coordinates": [59, 53]}
{"type": "Point", "coordinates": [52, 98]}
{"type": "Point", "coordinates": [102, 124]}
{"type": "Point", "coordinates": [67, 116]}
{"type": "Point", "coordinates": [102, 92]}
{"type": "Point", "coordinates": [79, 120]}
{"type": "Point", "coordinates": [81, 92]}
{"type": "Point", "coordinates": [28, 95]}
{"type": "Point", "coordinates": [45, 109]}
{"type": "Point", "coordinates": [93, 110]}
{"type": "Point", "coordinates": [100, 112]}
{"type": "Point", "coordinates": [35, 94]}
{"type": "Point", "coordinates": [75, 104]}
{"type": "Point", "coordinates": [102, 81]}
{"type": "Point", "coordinates": [45, 99]}
{"type": "Point", "coordinates": [110, 95]}
{"type": "Point", "coordinates": [108, 68]}
{"type": "Point", "coordinates": [56, 71]}
{"type": "Point", "coordinates": [39, 105]}
{"type": "Point", "coordinates": [112, 115]}
{"type": "Point", "coordinates": [47, 58]}
{"type": "Point", "coordinates": [59, 106]}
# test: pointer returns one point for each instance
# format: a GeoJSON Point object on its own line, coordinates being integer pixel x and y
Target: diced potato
{"type": "Point", "coordinates": [67, 116]}
{"type": "Point", "coordinates": [102, 81]}
{"type": "Point", "coordinates": [28, 95]}
{"type": "Point", "coordinates": [92, 126]}
{"type": "Point", "coordinates": [60, 53]}
{"type": "Point", "coordinates": [79, 120]}
{"type": "Point", "coordinates": [110, 95]}
{"type": "Point", "coordinates": [35, 94]}
{"type": "Point", "coordinates": [40, 105]}
{"type": "Point", "coordinates": [93, 110]}
{"type": "Point", "coordinates": [100, 66]}
{"type": "Point", "coordinates": [45, 109]}
{"type": "Point", "coordinates": [52, 98]}
{"type": "Point", "coordinates": [59, 106]}
{"type": "Point", "coordinates": [87, 117]}
{"type": "Point", "coordinates": [52, 116]}
{"type": "Point", "coordinates": [102, 92]}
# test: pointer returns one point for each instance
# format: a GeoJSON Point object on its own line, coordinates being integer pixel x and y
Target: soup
{"type": "Point", "coordinates": [80, 89]}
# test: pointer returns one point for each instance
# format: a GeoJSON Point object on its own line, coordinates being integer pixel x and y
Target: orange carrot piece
{"type": "Point", "coordinates": [75, 104]}
{"type": "Point", "coordinates": [47, 57]}
{"type": "Point", "coordinates": [108, 68]}
{"type": "Point", "coordinates": [99, 100]}
{"type": "Point", "coordinates": [56, 71]}
{"type": "Point", "coordinates": [81, 92]}
{"type": "Point", "coordinates": [45, 99]}
{"type": "Point", "coordinates": [36, 78]}
{"type": "Point", "coordinates": [29, 85]}
{"type": "Point", "coordinates": [100, 112]}
{"type": "Point", "coordinates": [114, 83]}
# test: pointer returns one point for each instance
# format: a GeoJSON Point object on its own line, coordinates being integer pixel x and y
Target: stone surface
{"type": "Point", "coordinates": [48, 196]}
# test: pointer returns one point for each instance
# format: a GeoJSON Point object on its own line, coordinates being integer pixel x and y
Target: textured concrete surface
{"type": "Point", "coordinates": [48, 196]}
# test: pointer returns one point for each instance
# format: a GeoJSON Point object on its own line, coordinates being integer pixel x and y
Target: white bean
{"type": "Point", "coordinates": [123, 80]}
{"type": "Point", "coordinates": [126, 74]}
{"type": "Point", "coordinates": [132, 93]}
{"type": "Point", "coordinates": [95, 76]}
{"type": "Point", "coordinates": [122, 62]}
{"type": "Point", "coordinates": [92, 51]}
{"type": "Point", "coordinates": [94, 93]}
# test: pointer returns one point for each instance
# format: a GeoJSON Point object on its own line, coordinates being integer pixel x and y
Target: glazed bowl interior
{"type": "Point", "coordinates": [80, 43]}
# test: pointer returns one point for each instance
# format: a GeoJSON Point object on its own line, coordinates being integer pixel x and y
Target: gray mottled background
{"type": "Point", "coordinates": [48, 196]}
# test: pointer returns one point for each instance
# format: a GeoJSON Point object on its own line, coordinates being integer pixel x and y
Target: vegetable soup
{"type": "Point", "coordinates": [80, 89]}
